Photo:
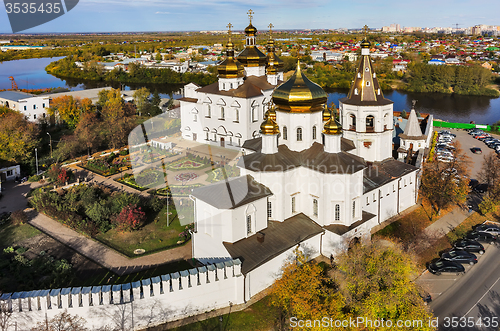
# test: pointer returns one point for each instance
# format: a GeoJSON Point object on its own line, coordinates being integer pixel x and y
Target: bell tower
{"type": "Point", "coordinates": [366, 116]}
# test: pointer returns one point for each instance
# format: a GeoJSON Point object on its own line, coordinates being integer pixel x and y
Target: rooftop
{"type": "Point", "coordinates": [15, 95]}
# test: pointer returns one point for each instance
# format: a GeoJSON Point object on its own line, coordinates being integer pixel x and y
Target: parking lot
{"type": "Point", "coordinates": [435, 285]}
{"type": "Point", "coordinates": [466, 143]}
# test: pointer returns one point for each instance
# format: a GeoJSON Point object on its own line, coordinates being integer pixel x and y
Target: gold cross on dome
{"type": "Point", "coordinates": [250, 13]}
{"type": "Point", "coordinates": [229, 26]}
{"type": "Point", "coordinates": [365, 29]}
{"type": "Point", "coordinates": [270, 26]}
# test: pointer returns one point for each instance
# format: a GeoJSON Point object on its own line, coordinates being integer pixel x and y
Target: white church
{"type": "Point", "coordinates": [307, 180]}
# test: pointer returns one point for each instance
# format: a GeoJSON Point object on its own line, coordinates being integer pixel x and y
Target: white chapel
{"type": "Point", "coordinates": [308, 179]}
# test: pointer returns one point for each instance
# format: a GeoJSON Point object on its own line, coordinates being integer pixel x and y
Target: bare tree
{"type": "Point", "coordinates": [445, 183]}
{"type": "Point", "coordinates": [5, 316]}
{"type": "Point", "coordinates": [62, 322]}
{"type": "Point", "coordinates": [490, 174]}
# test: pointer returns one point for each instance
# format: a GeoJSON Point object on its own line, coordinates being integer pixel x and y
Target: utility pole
{"type": "Point", "coordinates": [36, 158]}
{"type": "Point", "coordinates": [50, 144]}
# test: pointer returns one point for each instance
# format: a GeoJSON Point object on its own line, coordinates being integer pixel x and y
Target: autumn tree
{"type": "Point", "coordinates": [376, 281]}
{"type": "Point", "coordinates": [62, 322]}
{"type": "Point", "coordinates": [18, 138]}
{"type": "Point", "coordinates": [141, 100]}
{"type": "Point", "coordinates": [490, 174]}
{"type": "Point", "coordinates": [5, 316]}
{"type": "Point", "coordinates": [69, 109]}
{"type": "Point", "coordinates": [111, 104]}
{"type": "Point", "coordinates": [305, 292]}
{"type": "Point", "coordinates": [446, 183]}
{"type": "Point", "coordinates": [88, 132]}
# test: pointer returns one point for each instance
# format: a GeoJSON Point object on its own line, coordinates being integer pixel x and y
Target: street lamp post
{"type": "Point", "coordinates": [36, 158]}
{"type": "Point", "coordinates": [50, 144]}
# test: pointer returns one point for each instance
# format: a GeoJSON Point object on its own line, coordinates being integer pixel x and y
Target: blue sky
{"type": "Point", "coordinates": [195, 15]}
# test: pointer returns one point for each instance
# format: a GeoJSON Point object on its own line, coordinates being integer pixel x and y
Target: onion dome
{"type": "Point", "coordinates": [299, 95]}
{"type": "Point", "coordinates": [230, 67]}
{"type": "Point", "coordinates": [326, 114]}
{"type": "Point", "coordinates": [365, 44]}
{"type": "Point", "coordinates": [250, 29]}
{"type": "Point", "coordinates": [269, 126]}
{"type": "Point", "coordinates": [332, 127]}
{"type": "Point", "coordinates": [274, 63]}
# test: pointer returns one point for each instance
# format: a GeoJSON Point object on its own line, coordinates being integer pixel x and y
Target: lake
{"type": "Point", "coordinates": [30, 73]}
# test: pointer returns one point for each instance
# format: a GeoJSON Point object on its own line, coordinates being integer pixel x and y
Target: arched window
{"type": "Point", "coordinates": [299, 134]}
{"type": "Point", "coordinates": [249, 224]}
{"type": "Point", "coordinates": [285, 133]}
{"type": "Point", "coordinates": [337, 212]}
{"type": "Point", "coordinates": [209, 111]}
{"type": "Point", "coordinates": [353, 209]}
{"type": "Point", "coordinates": [386, 121]}
{"type": "Point", "coordinates": [355, 91]}
{"type": "Point", "coordinates": [314, 132]}
{"type": "Point", "coordinates": [195, 118]}
{"type": "Point", "coordinates": [293, 204]}
{"type": "Point", "coordinates": [368, 83]}
{"type": "Point", "coordinates": [237, 115]}
{"type": "Point", "coordinates": [352, 125]}
{"type": "Point", "coordinates": [222, 113]}
{"type": "Point", "coordinates": [315, 207]}
{"type": "Point", "coordinates": [269, 209]}
{"type": "Point", "coordinates": [370, 120]}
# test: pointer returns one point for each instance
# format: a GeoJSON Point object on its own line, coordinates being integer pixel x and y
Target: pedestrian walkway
{"type": "Point", "coordinates": [448, 222]}
{"type": "Point", "coordinates": [101, 254]}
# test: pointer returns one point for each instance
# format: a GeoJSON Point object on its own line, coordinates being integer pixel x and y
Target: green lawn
{"type": "Point", "coordinates": [10, 234]}
{"type": "Point", "coordinates": [259, 316]}
{"type": "Point", "coordinates": [153, 237]}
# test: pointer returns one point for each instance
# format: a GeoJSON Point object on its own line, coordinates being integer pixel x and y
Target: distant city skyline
{"type": "Point", "coordinates": [196, 15]}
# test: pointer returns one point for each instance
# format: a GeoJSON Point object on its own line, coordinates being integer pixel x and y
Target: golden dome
{"type": "Point", "coordinates": [326, 114]}
{"type": "Point", "coordinates": [230, 67]}
{"type": "Point", "coordinates": [250, 29]}
{"type": "Point", "coordinates": [365, 44]}
{"type": "Point", "coordinates": [271, 112]}
{"type": "Point", "coordinates": [299, 95]}
{"type": "Point", "coordinates": [269, 126]}
{"type": "Point", "coordinates": [332, 127]}
{"type": "Point", "coordinates": [274, 63]}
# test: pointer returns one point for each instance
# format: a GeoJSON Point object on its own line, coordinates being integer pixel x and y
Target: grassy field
{"type": "Point", "coordinates": [153, 237]}
{"type": "Point", "coordinates": [258, 317]}
{"type": "Point", "coordinates": [10, 234]}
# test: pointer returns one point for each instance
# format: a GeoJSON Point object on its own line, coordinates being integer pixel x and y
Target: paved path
{"type": "Point", "coordinates": [101, 254]}
{"type": "Point", "coordinates": [448, 221]}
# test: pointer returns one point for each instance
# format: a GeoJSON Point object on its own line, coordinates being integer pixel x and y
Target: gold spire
{"type": "Point", "coordinates": [365, 43]}
{"type": "Point", "coordinates": [250, 15]}
{"type": "Point", "coordinates": [230, 67]}
{"type": "Point", "coordinates": [274, 63]}
{"type": "Point", "coordinates": [332, 126]}
{"type": "Point", "coordinates": [250, 29]}
{"type": "Point", "coordinates": [299, 95]}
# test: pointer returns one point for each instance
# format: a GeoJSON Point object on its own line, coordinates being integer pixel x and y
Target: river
{"type": "Point", "coordinates": [30, 73]}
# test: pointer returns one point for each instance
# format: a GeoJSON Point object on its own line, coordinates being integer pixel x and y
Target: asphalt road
{"type": "Point", "coordinates": [474, 298]}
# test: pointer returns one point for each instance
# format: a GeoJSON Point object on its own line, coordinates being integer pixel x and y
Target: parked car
{"type": "Point", "coordinates": [445, 158]}
{"type": "Point", "coordinates": [445, 146]}
{"type": "Point", "coordinates": [470, 245]}
{"type": "Point", "coordinates": [481, 188]}
{"type": "Point", "coordinates": [488, 228]}
{"type": "Point", "coordinates": [482, 237]}
{"type": "Point", "coordinates": [459, 256]}
{"type": "Point", "coordinates": [445, 266]}
{"type": "Point", "coordinates": [473, 182]}
{"type": "Point", "coordinates": [476, 150]}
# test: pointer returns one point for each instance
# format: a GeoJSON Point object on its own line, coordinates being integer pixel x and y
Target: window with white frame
{"type": "Point", "coordinates": [222, 114]}
{"type": "Point", "coordinates": [293, 204]}
{"type": "Point", "coordinates": [314, 132]}
{"type": "Point", "coordinates": [299, 134]}
{"type": "Point", "coordinates": [337, 212]}
{"type": "Point", "coordinates": [354, 209]}
{"type": "Point", "coordinates": [315, 207]}
{"type": "Point", "coordinates": [269, 210]}
{"type": "Point", "coordinates": [209, 111]}
{"type": "Point", "coordinates": [285, 133]}
{"type": "Point", "coordinates": [237, 115]}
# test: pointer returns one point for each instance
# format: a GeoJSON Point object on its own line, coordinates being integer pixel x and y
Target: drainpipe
{"type": "Point", "coordinates": [321, 243]}
{"type": "Point", "coordinates": [399, 181]}
{"type": "Point", "coordinates": [244, 288]}
{"type": "Point", "coordinates": [195, 227]}
{"type": "Point", "coordinates": [379, 198]}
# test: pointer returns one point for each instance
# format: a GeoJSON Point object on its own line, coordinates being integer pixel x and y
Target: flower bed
{"type": "Point", "coordinates": [217, 174]}
{"type": "Point", "coordinates": [185, 163]}
{"type": "Point", "coordinates": [186, 177]}
{"type": "Point", "coordinates": [107, 166]}
{"type": "Point", "coordinates": [145, 179]}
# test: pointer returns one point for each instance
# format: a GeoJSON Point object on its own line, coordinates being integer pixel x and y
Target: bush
{"type": "Point", "coordinates": [130, 218]}
{"type": "Point", "coordinates": [487, 206]}
{"type": "Point", "coordinates": [19, 217]}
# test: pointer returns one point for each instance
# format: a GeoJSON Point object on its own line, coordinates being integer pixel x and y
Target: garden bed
{"type": "Point", "coordinates": [218, 175]}
{"type": "Point", "coordinates": [108, 165]}
{"type": "Point", "coordinates": [147, 179]}
{"type": "Point", "coordinates": [176, 190]}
